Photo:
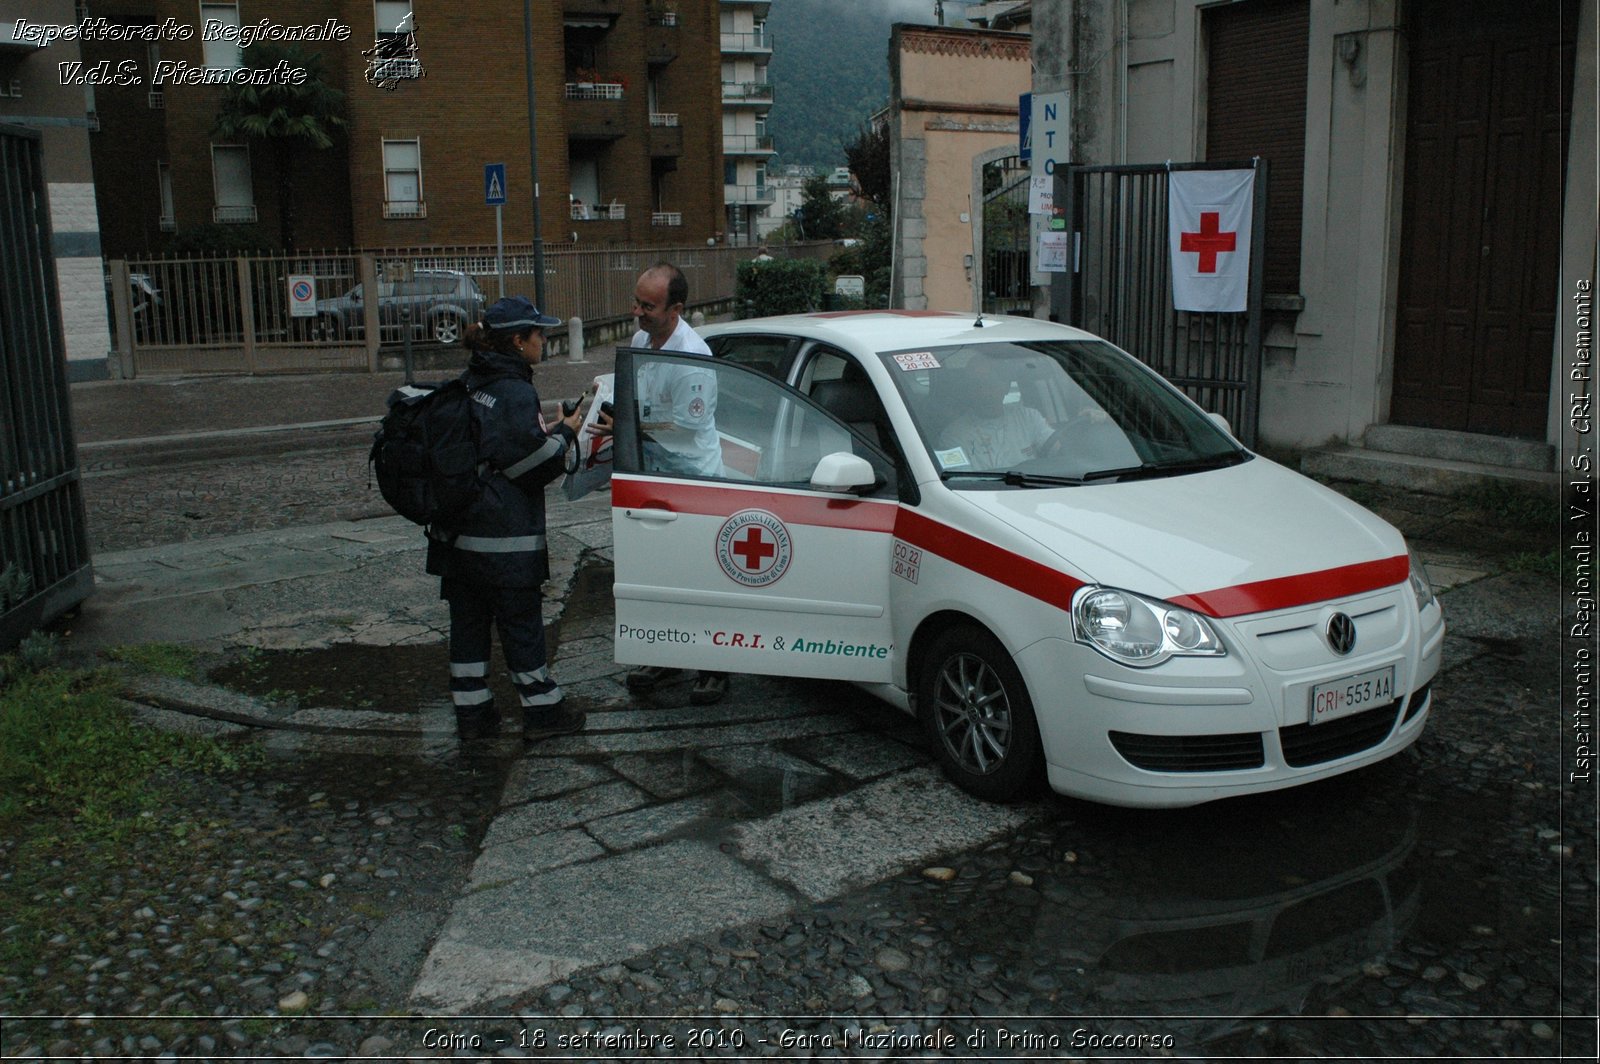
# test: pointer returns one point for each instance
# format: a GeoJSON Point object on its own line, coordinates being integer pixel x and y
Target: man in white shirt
{"type": "Point", "coordinates": [677, 419]}
{"type": "Point", "coordinates": [677, 404]}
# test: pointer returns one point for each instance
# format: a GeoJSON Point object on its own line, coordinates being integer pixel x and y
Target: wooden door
{"type": "Point", "coordinates": [1488, 109]}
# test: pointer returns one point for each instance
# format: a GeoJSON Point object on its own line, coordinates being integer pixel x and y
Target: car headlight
{"type": "Point", "coordinates": [1421, 586]}
{"type": "Point", "coordinates": [1138, 631]}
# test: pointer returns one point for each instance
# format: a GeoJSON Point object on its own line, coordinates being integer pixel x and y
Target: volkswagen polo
{"type": "Point", "coordinates": [1019, 533]}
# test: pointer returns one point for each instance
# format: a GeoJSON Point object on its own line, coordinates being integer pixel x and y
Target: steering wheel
{"type": "Point", "coordinates": [1056, 443]}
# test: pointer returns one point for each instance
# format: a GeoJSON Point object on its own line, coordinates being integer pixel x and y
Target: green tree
{"type": "Point", "coordinates": [868, 159]}
{"type": "Point", "coordinates": [286, 118]}
{"type": "Point", "coordinates": [821, 216]}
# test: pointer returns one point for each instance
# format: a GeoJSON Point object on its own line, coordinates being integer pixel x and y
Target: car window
{"type": "Point", "coordinates": [768, 354]}
{"type": "Point", "coordinates": [1073, 409]}
{"type": "Point", "coordinates": [720, 420]}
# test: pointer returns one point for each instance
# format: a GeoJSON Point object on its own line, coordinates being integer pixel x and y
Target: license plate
{"type": "Point", "coordinates": [1352, 694]}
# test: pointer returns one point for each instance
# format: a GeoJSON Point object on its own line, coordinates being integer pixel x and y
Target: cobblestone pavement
{"type": "Point", "coordinates": [1439, 906]}
{"type": "Point", "coordinates": [148, 506]}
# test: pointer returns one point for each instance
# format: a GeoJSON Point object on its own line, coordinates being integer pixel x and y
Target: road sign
{"type": "Point", "coordinates": [494, 184]}
{"type": "Point", "coordinates": [302, 295]}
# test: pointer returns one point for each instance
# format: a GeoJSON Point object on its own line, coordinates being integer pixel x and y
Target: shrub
{"type": "Point", "coordinates": [779, 286]}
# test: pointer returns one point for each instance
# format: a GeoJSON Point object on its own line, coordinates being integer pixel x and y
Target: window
{"type": "Point", "coordinates": [730, 172]}
{"type": "Point", "coordinates": [390, 17]}
{"type": "Point", "coordinates": [402, 179]}
{"type": "Point", "coordinates": [230, 174]}
{"type": "Point", "coordinates": [224, 54]}
{"type": "Point", "coordinates": [756, 428]}
{"type": "Point", "coordinates": [169, 217]}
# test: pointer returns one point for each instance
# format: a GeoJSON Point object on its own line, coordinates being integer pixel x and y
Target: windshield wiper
{"type": "Point", "coordinates": [1166, 469]}
{"type": "Point", "coordinates": [1012, 477]}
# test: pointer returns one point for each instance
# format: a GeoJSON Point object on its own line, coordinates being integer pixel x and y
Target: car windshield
{"type": "Point", "coordinates": [1052, 412]}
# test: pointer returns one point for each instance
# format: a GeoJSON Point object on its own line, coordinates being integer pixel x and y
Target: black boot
{"type": "Point", "coordinates": [478, 722]}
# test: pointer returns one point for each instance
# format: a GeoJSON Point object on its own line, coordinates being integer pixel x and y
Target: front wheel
{"type": "Point", "coordinates": [446, 329]}
{"type": "Point", "coordinates": [977, 712]}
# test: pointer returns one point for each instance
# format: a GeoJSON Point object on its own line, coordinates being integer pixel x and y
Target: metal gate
{"type": "Point", "coordinates": [1003, 276]}
{"type": "Point", "coordinates": [44, 548]}
{"type": "Point", "coordinates": [1120, 288]}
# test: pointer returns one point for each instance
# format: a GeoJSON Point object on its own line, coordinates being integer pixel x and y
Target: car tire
{"type": "Point", "coordinates": [977, 713]}
{"type": "Point", "coordinates": [446, 329]}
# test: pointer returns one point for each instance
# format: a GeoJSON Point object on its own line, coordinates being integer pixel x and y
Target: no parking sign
{"type": "Point", "coordinates": [302, 295]}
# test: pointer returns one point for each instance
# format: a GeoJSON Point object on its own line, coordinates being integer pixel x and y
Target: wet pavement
{"type": "Point", "coordinates": [784, 874]}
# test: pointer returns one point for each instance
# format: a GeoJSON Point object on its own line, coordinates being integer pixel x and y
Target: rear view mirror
{"type": "Point", "coordinates": [843, 472]}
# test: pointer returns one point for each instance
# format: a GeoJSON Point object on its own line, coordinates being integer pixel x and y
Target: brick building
{"type": "Point", "coordinates": [627, 102]}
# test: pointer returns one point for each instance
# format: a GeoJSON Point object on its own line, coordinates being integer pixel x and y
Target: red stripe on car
{"type": "Point", "coordinates": [1006, 567]}
{"type": "Point", "coordinates": [1286, 592]}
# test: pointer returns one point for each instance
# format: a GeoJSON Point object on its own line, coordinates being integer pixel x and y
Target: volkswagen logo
{"type": "Point", "coordinates": [1341, 633]}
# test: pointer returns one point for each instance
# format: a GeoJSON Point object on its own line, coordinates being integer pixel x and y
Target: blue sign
{"type": "Point", "coordinates": [1025, 126]}
{"type": "Point", "coordinates": [494, 184]}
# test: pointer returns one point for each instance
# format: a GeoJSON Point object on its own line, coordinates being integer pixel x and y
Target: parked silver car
{"type": "Point", "coordinates": [440, 304]}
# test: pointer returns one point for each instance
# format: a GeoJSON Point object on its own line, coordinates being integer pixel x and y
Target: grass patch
{"type": "Point", "coordinates": [1537, 563]}
{"type": "Point", "coordinates": [1533, 511]}
{"type": "Point", "coordinates": [164, 659]}
{"type": "Point", "coordinates": [68, 750]}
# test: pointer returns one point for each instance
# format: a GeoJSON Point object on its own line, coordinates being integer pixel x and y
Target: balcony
{"type": "Point", "coordinates": [661, 38]}
{"type": "Point", "coordinates": [595, 110]}
{"type": "Point", "coordinates": [599, 212]}
{"type": "Point", "coordinates": [750, 93]}
{"type": "Point", "coordinates": [752, 195]}
{"type": "Point", "coordinates": [404, 209]}
{"type": "Point", "coordinates": [595, 90]}
{"type": "Point", "coordinates": [747, 43]}
{"type": "Point", "coordinates": [747, 144]}
{"type": "Point", "coordinates": [234, 214]}
{"type": "Point", "coordinates": [666, 218]}
{"type": "Point", "coordinates": [666, 136]}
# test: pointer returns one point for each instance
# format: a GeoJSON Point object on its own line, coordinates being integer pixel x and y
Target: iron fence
{"type": "Point", "coordinates": [44, 550]}
{"type": "Point", "coordinates": [1119, 286]}
{"type": "Point", "coordinates": [238, 314]}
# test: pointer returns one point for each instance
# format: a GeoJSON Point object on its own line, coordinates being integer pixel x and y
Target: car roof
{"type": "Point", "coordinates": [899, 330]}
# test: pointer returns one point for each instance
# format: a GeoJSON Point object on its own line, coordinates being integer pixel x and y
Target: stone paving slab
{"type": "Point", "coordinates": [502, 942]}
{"type": "Point", "coordinates": [885, 826]}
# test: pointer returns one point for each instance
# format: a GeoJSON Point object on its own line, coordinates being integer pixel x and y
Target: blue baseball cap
{"type": "Point", "coordinates": [516, 313]}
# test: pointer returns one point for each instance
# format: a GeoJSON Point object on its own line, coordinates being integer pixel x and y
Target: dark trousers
{"type": "Point", "coordinates": [476, 609]}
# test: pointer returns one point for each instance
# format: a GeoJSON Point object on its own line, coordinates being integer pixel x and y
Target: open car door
{"type": "Point", "coordinates": [751, 529]}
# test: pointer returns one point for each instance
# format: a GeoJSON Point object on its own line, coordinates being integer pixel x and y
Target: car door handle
{"type": "Point", "coordinates": [651, 515]}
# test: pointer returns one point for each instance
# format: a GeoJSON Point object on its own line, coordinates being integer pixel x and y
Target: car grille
{"type": "Point", "coordinates": [1313, 744]}
{"type": "Point", "coordinates": [1190, 753]}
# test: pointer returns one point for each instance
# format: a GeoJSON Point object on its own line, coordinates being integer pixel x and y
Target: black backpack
{"type": "Point", "coordinates": [425, 452]}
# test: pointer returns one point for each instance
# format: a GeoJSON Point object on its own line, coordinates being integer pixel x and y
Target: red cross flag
{"type": "Point", "coordinates": [1208, 218]}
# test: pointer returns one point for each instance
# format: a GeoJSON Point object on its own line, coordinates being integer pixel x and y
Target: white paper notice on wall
{"type": "Point", "coordinates": [1052, 256]}
{"type": "Point", "coordinates": [1041, 194]}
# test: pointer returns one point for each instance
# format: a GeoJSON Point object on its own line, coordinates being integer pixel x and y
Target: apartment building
{"type": "Point", "coordinates": [626, 133]}
{"type": "Point", "coordinates": [746, 99]}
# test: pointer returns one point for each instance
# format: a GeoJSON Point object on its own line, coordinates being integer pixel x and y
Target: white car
{"type": "Point", "coordinates": [1014, 530]}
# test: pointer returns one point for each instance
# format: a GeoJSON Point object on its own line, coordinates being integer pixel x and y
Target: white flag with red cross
{"type": "Point", "coordinates": [1208, 218]}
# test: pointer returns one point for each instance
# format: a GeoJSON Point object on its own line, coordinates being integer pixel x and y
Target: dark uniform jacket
{"type": "Point", "coordinates": [500, 540]}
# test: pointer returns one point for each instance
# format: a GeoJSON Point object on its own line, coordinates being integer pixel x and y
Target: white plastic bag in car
{"type": "Point", "coordinates": [592, 468]}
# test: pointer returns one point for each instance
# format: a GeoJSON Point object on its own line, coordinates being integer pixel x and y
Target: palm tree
{"type": "Point", "coordinates": [287, 117]}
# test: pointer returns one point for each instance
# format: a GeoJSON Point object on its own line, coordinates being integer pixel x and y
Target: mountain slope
{"type": "Point", "coordinates": [830, 71]}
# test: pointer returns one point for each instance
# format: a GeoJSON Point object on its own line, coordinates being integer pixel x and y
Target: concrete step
{"type": "Point", "coordinates": [1468, 447]}
{"type": "Point", "coordinates": [1429, 475]}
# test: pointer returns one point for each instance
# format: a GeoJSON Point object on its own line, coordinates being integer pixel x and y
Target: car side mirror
{"type": "Point", "coordinates": [843, 472]}
{"type": "Point", "coordinates": [1222, 422]}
